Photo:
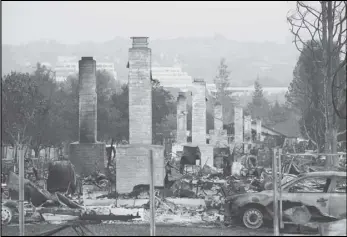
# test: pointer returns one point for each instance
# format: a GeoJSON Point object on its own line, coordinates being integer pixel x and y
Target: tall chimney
{"type": "Point", "coordinates": [140, 92]}
{"type": "Point", "coordinates": [218, 116]}
{"type": "Point", "coordinates": [87, 100]}
{"type": "Point", "coordinates": [199, 111]}
{"type": "Point", "coordinates": [238, 126]}
{"type": "Point", "coordinates": [181, 118]}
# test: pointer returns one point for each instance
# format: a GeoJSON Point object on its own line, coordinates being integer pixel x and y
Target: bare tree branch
{"type": "Point", "coordinates": [342, 132]}
{"type": "Point", "coordinates": [339, 25]}
{"type": "Point", "coordinates": [310, 9]}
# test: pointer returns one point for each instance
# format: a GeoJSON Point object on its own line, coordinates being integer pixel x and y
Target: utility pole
{"type": "Point", "coordinates": [275, 192]}
{"type": "Point", "coordinates": [21, 191]}
{"type": "Point", "coordinates": [152, 194]}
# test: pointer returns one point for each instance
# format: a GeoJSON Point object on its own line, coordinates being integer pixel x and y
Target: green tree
{"type": "Point", "coordinates": [258, 96]}
{"type": "Point", "coordinates": [163, 105]}
{"type": "Point", "coordinates": [278, 113]}
{"type": "Point", "coordinates": [18, 107]}
{"type": "Point", "coordinates": [120, 103]}
{"type": "Point", "coordinates": [166, 129]}
{"type": "Point", "coordinates": [306, 95]}
{"type": "Point", "coordinates": [223, 94]}
{"type": "Point", "coordinates": [106, 87]}
{"type": "Point", "coordinates": [163, 109]}
{"type": "Point", "coordinates": [107, 114]}
{"type": "Point", "coordinates": [64, 113]}
{"type": "Point", "coordinates": [66, 104]}
{"type": "Point", "coordinates": [259, 107]}
{"type": "Point", "coordinates": [27, 108]}
{"type": "Point", "coordinates": [222, 80]}
{"type": "Point", "coordinates": [42, 127]}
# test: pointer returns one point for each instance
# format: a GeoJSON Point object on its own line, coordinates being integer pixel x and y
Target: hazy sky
{"type": "Point", "coordinates": [73, 22]}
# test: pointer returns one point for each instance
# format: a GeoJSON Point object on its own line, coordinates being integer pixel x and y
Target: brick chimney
{"type": "Point", "coordinates": [140, 42]}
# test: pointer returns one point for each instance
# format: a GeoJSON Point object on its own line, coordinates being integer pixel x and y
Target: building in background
{"type": "Point", "coordinates": [172, 77]}
{"type": "Point", "coordinates": [108, 67]}
{"type": "Point", "coordinates": [67, 66]}
{"type": "Point", "coordinates": [29, 67]}
{"type": "Point", "coordinates": [271, 93]}
{"type": "Point", "coordinates": [65, 69]}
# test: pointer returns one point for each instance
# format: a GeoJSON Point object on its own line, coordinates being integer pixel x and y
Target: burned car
{"type": "Point", "coordinates": [323, 194]}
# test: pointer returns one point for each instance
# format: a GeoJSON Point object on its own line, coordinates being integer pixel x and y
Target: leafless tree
{"type": "Point", "coordinates": [323, 24]}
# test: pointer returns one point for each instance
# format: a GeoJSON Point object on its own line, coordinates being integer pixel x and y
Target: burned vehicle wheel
{"type": "Point", "coordinates": [6, 215]}
{"type": "Point", "coordinates": [253, 218]}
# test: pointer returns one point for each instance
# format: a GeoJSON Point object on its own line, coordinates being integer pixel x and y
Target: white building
{"type": "Point", "coordinates": [67, 66]}
{"type": "Point", "coordinates": [172, 77]}
{"type": "Point", "coordinates": [32, 67]}
{"type": "Point", "coordinates": [46, 64]}
{"type": "Point", "coordinates": [65, 69]}
{"type": "Point", "coordinates": [109, 67]}
{"type": "Point", "coordinates": [62, 59]}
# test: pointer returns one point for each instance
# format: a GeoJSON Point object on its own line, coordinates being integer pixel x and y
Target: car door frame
{"type": "Point", "coordinates": [325, 195]}
{"type": "Point", "coordinates": [333, 210]}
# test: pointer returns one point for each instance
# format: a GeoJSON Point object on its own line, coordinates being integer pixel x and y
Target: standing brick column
{"type": "Point", "coordinates": [199, 112]}
{"type": "Point", "coordinates": [87, 100]}
{"type": "Point", "coordinates": [132, 160]}
{"type": "Point", "coordinates": [238, 126]}
{"type": "Point", "coordinates": [87, 154]}
{"type": "Point", "coordinates": [258, 129]}
{"type": "Point", "coordinates": [218, 136]}
{"type": "Point", "coordinates": [181, 118]}
{"type": "Point", "coordinates": [218, 116]}
{"type": "Point", "coordinates": [140, 92]}
{"type": "Point", "coordinates": [247, 133]}
{"type": "Point", "coordinates": [247, 129]}
{"type": "Point", "coordinates": [199, 122]}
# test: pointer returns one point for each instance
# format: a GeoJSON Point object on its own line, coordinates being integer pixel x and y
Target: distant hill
{"type": "Point", "coordinates": [199, 57]}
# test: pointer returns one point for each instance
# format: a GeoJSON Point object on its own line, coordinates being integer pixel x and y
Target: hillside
{"type": "Point", "coordinates": [199, 57]}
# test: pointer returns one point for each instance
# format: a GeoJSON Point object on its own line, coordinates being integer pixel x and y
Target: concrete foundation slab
{"type": "Point", "coordinates": [87, 157]}
{"type": "Point", "coordinates": [132, 166]}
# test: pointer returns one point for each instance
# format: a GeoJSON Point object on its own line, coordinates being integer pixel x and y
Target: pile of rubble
{"type": "Point", "coordinates": [192, 197]}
